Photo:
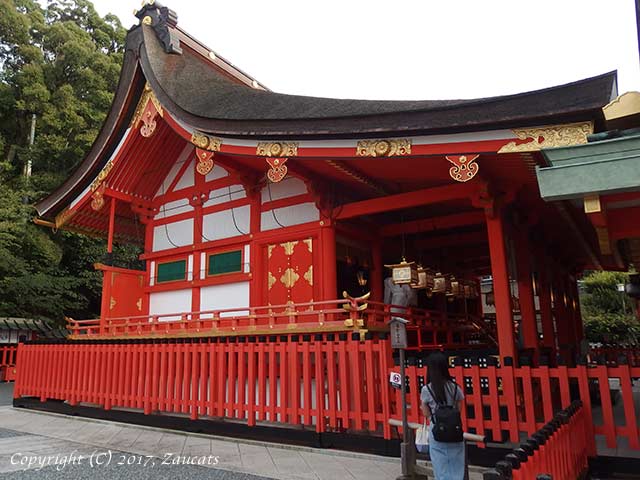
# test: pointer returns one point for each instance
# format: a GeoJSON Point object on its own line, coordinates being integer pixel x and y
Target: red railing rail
{"type": "Point", "coordinates": [521, 400]}
{"type": "Point", "coordinates": [325, 381]}
{"type": "Point", "coordinates": [350, 314]}
{"type": "Point", "coordinates": [8, 355]}
{"type": "Point", "coordinates": [615, 354]}
{"type": "Point", "coordinates": [559, 450]}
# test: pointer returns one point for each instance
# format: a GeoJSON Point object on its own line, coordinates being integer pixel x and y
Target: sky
{"type": "Point", "coordinates": [406, 49]}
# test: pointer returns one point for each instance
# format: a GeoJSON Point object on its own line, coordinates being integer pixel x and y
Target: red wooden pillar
{"type": "Point", "coordinates": [112, 223]}
{"type": "Point", "coordinates": [329, 274]}
{"type": "Point", "coordinates": [546, 312]}
{"type": "Point", "coordinates": [255, 252]}
{"type": "Point", "coordinates": [525, 292]}
{"type": "Point", "coordinates": [376, 279]}
{"type": "Point", "coordinates": [502, 292]}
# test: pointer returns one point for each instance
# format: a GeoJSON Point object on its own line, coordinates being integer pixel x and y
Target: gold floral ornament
{"type": "Point", "coordinates": [205, 161]}
{"type": "Point", "coordinates": [464, 167]}
{"type": "Point", "coordinates": [548, 137]}
{"type": "Point", "coordinates": [148, 108]}
{"type": "Point", "coordinates": [277, 169]}
{"type": "Point", "coordinates": [384, 148]}
{"type": "Point", "coordinates": [277, 149]}
{"type": "Point", "coordinates": [97, 199]}
{"type": "Point", "coordinates": [206, 142]}
{"type": "Point", "coordinates": [289, 277]}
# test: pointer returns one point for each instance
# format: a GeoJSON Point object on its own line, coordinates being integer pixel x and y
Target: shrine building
{"type": "Point", "coordinates": [272, 224]}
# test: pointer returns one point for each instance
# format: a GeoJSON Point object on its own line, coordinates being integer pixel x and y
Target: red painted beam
{"type": "Point", "coordinates": [453, 240]}
{"type": "Point", "coordinates": [624, 223]}
{"type": "Point", "coordinates": [408, 200]}
{"type": "Point", "coordinates": [436, 223]}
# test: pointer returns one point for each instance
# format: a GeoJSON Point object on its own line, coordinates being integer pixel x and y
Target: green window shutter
{"type": "Point", "coordinates": [170, 271]}
{"type": "Point", "coordinates": [227, 262]}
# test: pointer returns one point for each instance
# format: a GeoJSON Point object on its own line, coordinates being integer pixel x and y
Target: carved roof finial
{"type": "Point", "coordinates": [164, 21]}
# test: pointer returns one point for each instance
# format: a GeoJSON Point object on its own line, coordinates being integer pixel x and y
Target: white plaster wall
{"type": "Point", "coordinates": [247, 259]}
{"type": "Point", "coordinates": [288, 216]}
{"type": "Point", "coordinates": [219, 225]}
{"type": "Point", "coordinates": [225, 296]}
{"type": "Point", "coordinates": [188, 179]}
{"type": "Point", "coordinates": [173, 234]}
{"type": "Point", "coordinates": [184, 155]}
{"type": "Point", "coordinates": [226, 194]}
{"type": "Point", "coordinates": [176, 301]}
{"type": "Point", "coordinates": [176, 207]}
{"type": "Point", "coordinates": [216, 173]}
{"type": "Point", "coordinates": [289, 187]}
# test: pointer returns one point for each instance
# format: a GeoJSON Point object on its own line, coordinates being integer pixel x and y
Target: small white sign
{"type": "Point", "coordinates": [395, 379]}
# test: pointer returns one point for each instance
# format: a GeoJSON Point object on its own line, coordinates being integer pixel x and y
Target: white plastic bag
{"type": "Point", "coordinates": [422, 438]}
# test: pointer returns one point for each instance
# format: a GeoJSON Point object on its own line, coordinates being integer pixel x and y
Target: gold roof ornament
{"type": "Point", "coordinates": [404, 272]}
{"type": "Point", "coordinates": [548, 137]}
{"type": "Point", "coordinates": [384, 148]}
{"type": "Point", "coordinates": [622, 106]}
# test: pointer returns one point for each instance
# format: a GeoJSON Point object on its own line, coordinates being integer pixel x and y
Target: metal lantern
{"type": "Point", "coordinates": [425, 279]}
{"type": "Point", "coordinates": [441, 283]}
{"type": "Point", "coordinates": [470, 290]}
{"type": "Point", "coordinates": [404, 272]}
{"type": "Point", "coordinates": [490, 298]}
{"type": "Point", "coordinates": [457, 289]}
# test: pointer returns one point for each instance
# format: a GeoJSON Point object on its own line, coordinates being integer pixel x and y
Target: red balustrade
{"type": "Point", "coordinates": [8, 362]}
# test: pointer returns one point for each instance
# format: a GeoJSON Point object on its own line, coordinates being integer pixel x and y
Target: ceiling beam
{"type": "Point", "coordinates": [453, 240]}
{"type": "Point", "coordinates": [400, 201]}
{"type": "Point", "coordinates": [436, 223]}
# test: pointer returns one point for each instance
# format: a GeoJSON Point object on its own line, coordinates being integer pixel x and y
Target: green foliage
{"type": "Point", "coordinates": [60, 62]}
{"type": "Point", "coordinates": [606, 318]}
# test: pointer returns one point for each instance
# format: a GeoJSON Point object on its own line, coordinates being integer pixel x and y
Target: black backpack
{"type": "Point", "coordinates": [446, 420]}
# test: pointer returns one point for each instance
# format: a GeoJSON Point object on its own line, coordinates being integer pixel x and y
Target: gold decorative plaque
{"type": "Point", "coordinates": [206, 142]}
{"type": "Point", "coordinates": [147, 95]}
{"type": "Point", "coordinates": [102, 175]}
{"type": "Point", "coordinates": [549, 137]}
{"type": "Point", "coordinates": [277, 149]}
{"type": "Point", "coordinates": [384, 148]}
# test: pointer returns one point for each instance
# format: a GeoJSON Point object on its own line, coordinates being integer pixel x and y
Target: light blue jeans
{"type": "Point", "coordinates": [447, 459]}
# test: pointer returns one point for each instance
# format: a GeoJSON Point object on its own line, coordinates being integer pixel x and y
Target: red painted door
{"type": "Point", "coordinates": [289, 272]}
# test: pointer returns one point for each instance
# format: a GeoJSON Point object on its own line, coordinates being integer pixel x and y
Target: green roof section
{"type": "Point", "coordinates": [607, 166]}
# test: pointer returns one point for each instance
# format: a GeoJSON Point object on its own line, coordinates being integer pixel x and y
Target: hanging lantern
{"type": "Point", "coordinates": [470, 290]}
{"type": "Point", "coordinates": [441, 283]}
{"type": "Point", "coordinates": [404, 272]}
{"type": "Point", "coordinates": [490, 298]}
{"type": "Point", "coordinates": [425, 279]}
{"type": "Point", "coordinates": [457, 289]}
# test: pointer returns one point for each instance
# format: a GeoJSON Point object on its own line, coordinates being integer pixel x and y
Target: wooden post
{"type": "Point", "coordinates": [112, 222]}
{"type": "Point", "coordinates": [546, 314]}
{"type": "Point", "coordinates": [329, 274]}
{"type": "Point", "coordinates": [525, 292]}
{"type": "Point", "coordinates": [502, 292]}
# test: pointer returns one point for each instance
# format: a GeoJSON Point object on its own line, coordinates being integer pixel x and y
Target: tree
{"type": "Point", "coordinates": [60, 62]}
{"type": "Point", "coordinates": [605, 317]}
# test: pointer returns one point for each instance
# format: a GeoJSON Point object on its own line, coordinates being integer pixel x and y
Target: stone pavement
{"type": "Point", "coordinates": [30, 433]}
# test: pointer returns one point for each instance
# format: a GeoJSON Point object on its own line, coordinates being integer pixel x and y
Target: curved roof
{"type": "Point", "coordinates": [194, 90]}
{"type": "Point", "coordinates": [207, 93]}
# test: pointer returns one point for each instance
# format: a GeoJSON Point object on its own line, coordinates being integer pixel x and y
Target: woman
{"type": "Point", "coordinates": [448, 459]}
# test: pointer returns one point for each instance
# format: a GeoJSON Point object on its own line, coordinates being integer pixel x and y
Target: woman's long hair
{"type": "Point", "coordinates": [438, 376]}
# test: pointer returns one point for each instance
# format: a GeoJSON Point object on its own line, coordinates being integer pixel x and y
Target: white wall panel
{"type": "Point", "coordinates": [216, 173]}
{"type": "Point", "coordinates": [190, 268]}
{"type": "Point", "coordinates": [247, 259]}
{"type": "Point", "coordinates": [174, 208]}
{"type": "Point", "coordinates": [152, 275]}
{"type": "Point", "coordinates": [172, 235]}
{"type": "Point", "coordinates": [289, 187]}
{"type": "Point", "coordinates": [176, 301]}
{"type": "Point", "coordinates": [220, 224]}
{"type": "Point", "coordinates": [188, 179]}
{"type": "Point", "coordinates": [225, 296]}
{"type": "Point", "coordinates": [289, 216]}
{"type": "Point", "coordinates": [224, 195]}
{"type": "Point", "coordinates": [186, 153]}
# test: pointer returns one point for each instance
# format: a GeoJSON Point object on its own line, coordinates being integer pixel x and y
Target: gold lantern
{"type": "Point", "coordinates": [441, 283]}
{"type": "Point", "coordinates": [404, 272]}
{"type": "Point", "coordinates": [425, 279]}
{"type": "Point", "coordinates": [470, 290]}
{"type": "Point", "coordinates": [457, 289]}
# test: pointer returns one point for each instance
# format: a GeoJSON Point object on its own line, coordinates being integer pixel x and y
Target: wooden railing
{"type": "Point", "coordinates": [8, 362]}
{"type": "Point", "coordinates": [327, 382]}
{"type": "Point", "coordinates": [559, 450]}
{"type": "Point", "coordinates": [349, 314]}
{"type": "Point", "coordinates": [521, 400]}
{"type": "Point", "coordinates": [616, 354]}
